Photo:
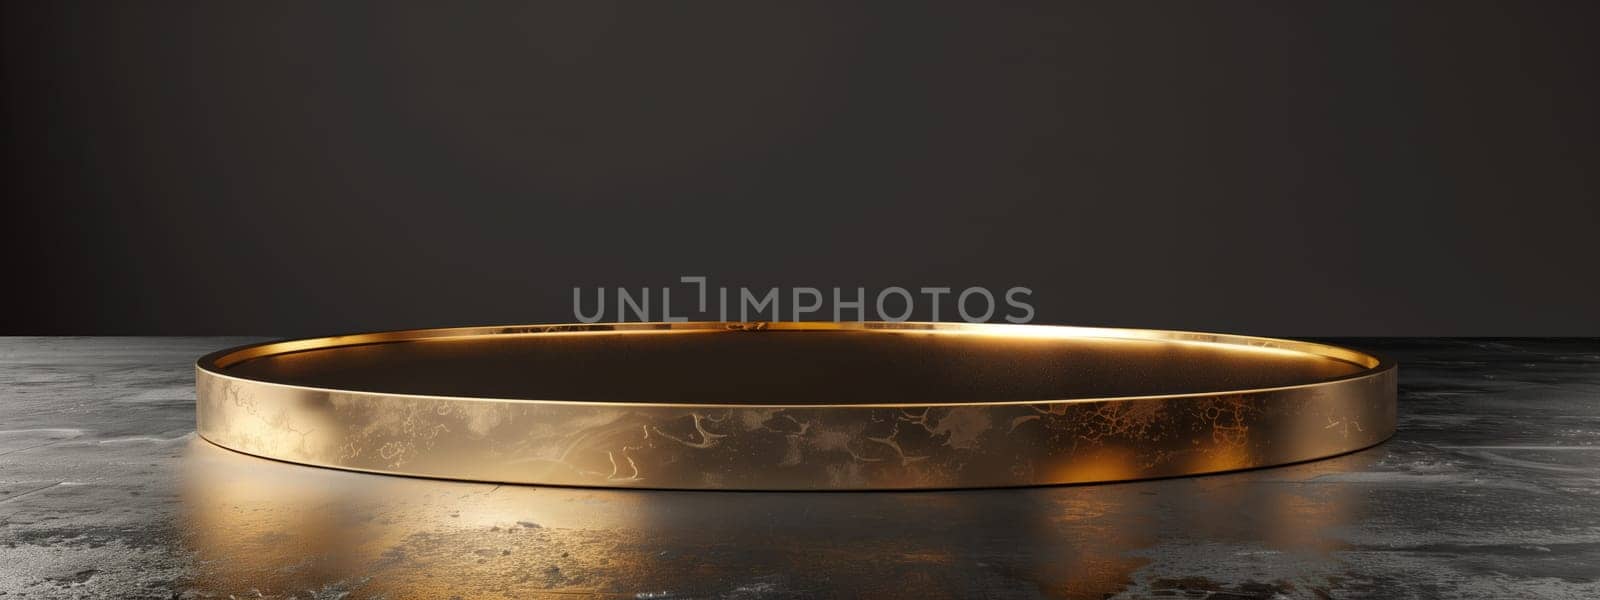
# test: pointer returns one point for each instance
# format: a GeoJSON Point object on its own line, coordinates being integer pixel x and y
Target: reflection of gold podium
{"type": "Point", "coordinates": [794, 406]}
{"type": "Point", "coordinates": [282, 529]}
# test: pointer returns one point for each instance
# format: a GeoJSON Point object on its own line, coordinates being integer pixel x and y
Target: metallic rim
{"type": "Point", "coordinates": [797, 447]}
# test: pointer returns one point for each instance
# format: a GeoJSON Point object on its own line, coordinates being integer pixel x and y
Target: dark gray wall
{"type": "Point", "coordinates": [1310, 168]}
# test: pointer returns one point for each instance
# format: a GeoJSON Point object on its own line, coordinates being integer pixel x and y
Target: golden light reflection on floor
{"type": "Point", "coordinates": [280, 529]}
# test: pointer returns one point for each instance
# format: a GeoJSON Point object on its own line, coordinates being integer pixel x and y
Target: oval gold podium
{"type": "Point", "coordinates": [794, 406]}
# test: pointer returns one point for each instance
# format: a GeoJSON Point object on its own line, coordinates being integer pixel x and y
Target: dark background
{"type": "Point", "coordinates": [1311, 168]}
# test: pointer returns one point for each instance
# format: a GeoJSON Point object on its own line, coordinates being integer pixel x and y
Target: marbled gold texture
{"type": "Point", "coordinates": [813, 446]}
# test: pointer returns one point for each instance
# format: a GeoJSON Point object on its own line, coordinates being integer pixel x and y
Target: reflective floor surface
{"type": "Point", "coordinates": [1491, 489]}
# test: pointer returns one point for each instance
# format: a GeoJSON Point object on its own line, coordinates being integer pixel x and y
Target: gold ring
{"type": "Point", "coordinates": [794, 406]}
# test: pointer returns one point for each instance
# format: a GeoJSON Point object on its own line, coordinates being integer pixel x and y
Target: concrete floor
{"type": "Point", "coordinates": [1491, 489]}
